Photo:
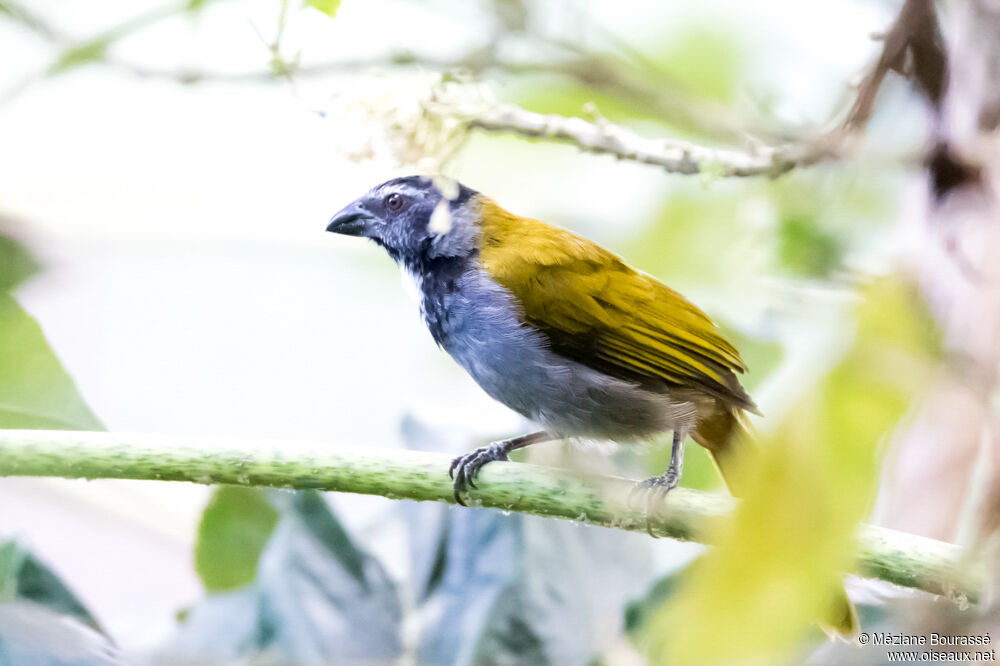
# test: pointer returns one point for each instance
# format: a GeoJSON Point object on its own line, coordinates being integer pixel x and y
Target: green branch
{"type": "Point", "coordinates": [899, 558]}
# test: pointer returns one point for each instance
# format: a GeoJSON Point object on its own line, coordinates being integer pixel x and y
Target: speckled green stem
{"type": "Point", "coordinates": [896, 557]}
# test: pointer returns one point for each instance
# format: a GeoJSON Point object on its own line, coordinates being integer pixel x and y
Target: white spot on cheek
{"type": "Point", "coordinates": [440, 222]}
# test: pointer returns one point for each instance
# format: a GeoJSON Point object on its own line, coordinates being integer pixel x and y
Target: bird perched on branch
{"type": "Point", "coordinates": [561, 331]}
{"type": "Point", "coordinates": [556, 327]}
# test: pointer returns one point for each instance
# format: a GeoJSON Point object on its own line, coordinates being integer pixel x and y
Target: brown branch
{"type": "Point", "coordinates": [912, 47]}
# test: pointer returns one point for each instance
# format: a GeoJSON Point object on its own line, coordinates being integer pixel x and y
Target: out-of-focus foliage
{"type": "Point", "coordinates": [515, 589]}
{"type": "Point", "coordinates": [35, 390]}
{"type": "Point", "coordinates": [316, 598]}
{"type": "Point", "coordinates": [35, 635]}
{"type": "Point", "coordinates": [780, 559]}
{"type": "Point", "coordinates": [705, 61]}
{"type": "Point", "coordinates": [82, 54]}
{"type": "Point", "coordinates": [328, 7]}
{"type": "Point", "coordinates": [41, 620]}
{"type": "Point", "coordinates": [233, 531]}
{"type": "Point", "coordinates": [488, 587]}
{"type": "Point", "coordinates": [16, 264]}
{"type": "Point", "coordinates": [24, 577]}
{"type": "Point", "coordinates": [802, 225]}
{"type": "Point", "coordinates": [704, 64]}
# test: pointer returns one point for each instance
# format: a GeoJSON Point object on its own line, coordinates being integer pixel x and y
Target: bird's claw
{"type": "Point", "coordinates": [465, 468]}
{"type": "Point", "coordinates": [655, 490]}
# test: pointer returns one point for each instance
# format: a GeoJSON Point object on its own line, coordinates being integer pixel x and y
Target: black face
{"type": "Point", "coordinates": [396, 215]}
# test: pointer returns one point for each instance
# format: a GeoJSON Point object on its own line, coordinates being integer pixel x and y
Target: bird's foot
{"type": "Point", "coordinates": [465, 468]}
{"type": "Point", "coordinates": [654, 490]}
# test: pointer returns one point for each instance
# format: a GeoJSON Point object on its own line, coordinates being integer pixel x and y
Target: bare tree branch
{"type": "Point", "coordinates": [672, 155]}
{"type": "Point", "coordinates": [912, 46]}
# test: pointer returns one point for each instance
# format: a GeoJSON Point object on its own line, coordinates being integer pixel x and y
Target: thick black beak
{"type": "Point", "coordinates": [353, 220]}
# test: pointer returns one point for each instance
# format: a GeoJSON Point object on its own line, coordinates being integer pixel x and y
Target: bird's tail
{"type": "Point", "coordinates": [728, 438]}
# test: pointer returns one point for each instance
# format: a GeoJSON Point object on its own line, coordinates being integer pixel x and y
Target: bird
{"type": "Point", "coordinates": [562, 331]}
{"type": "Point", "coordinates": [556, 327]}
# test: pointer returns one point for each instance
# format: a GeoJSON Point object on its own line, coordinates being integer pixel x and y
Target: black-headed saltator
{"type": "Point", "coordinates": [561, 331]}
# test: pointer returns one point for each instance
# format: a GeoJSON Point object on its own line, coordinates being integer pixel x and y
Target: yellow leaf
{"type": "Point", "coordinates": [779, 561]}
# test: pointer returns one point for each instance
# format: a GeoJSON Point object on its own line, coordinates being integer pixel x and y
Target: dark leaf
{"type": "Point", "coordinates": [23, 577]}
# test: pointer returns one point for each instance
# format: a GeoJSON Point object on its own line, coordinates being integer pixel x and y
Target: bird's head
{"type": "Point", "coordinates": [412, 219]}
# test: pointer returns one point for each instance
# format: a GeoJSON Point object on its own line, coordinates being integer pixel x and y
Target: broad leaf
{"type": "Point", "coordinates": [34, 635]}
{"type": "Point", "coordinates": [515, 589]}
{"type": "Point", "coordinates": [24, 577]}
{"type": "Point", "coordinates": [234, 529]}
{"type": "Point", "coordinates": [316, 598]}
{"type": "Point", "coordinates": [35, 390]}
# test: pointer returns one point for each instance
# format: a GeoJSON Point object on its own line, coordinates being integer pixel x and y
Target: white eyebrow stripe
{"type": "Point", "coordinates": [386, 189]}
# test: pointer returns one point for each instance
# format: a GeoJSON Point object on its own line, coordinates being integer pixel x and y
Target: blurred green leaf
{"type": "Point", "coordinates": [24, 577]}
{"type": "Point", "coordinates": [731, 232]}
{"type": "Point", "coordinates": [328, 7]}
{"type": "Point", "coordinates": [806, 248]}
{"type": "Point", "coordinates": [704, 238]}
{"type": "Point", "coordinates": [701, 63]}
{"type": "Point", "coordinates": [779, 561]}
{"type": "Point", "coordinates": [81, 54]}
{"type": "Point", "coordinates": [639, 611]}
{"type": "Point", "coordinates": [35, 390]}
{"type": "Point", "coordinates": [233, 531]}
{"type": "Point", "coordinates": [16, 264]}
{"type": "Point", "coordinates": [822, 216]}
{"type": "Point", "coordinates": [545, 94]}
{"type": "Point", "coordinates": [704, 61]}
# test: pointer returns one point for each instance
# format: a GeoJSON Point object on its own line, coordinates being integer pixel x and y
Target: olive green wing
{"type": "Point", "coordinates": [596, 310]}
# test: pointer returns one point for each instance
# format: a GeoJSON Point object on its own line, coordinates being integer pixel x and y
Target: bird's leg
{"type": "Point", "coordinates": [464, 468]}
{"type": "Point", "coordinates": [673, 474]}
{"type": "Point", "coordinates": [657, 487]}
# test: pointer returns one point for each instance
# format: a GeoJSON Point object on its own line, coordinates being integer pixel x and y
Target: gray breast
{"type": "Point", "coordinates": [476, 321]}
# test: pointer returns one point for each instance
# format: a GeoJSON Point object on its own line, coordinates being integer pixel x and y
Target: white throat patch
{"type": "Point", "coordinates": [411, 284]}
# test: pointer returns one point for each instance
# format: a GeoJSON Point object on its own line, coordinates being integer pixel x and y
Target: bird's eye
{"type": "Point", "coordinates": [394, 202]}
